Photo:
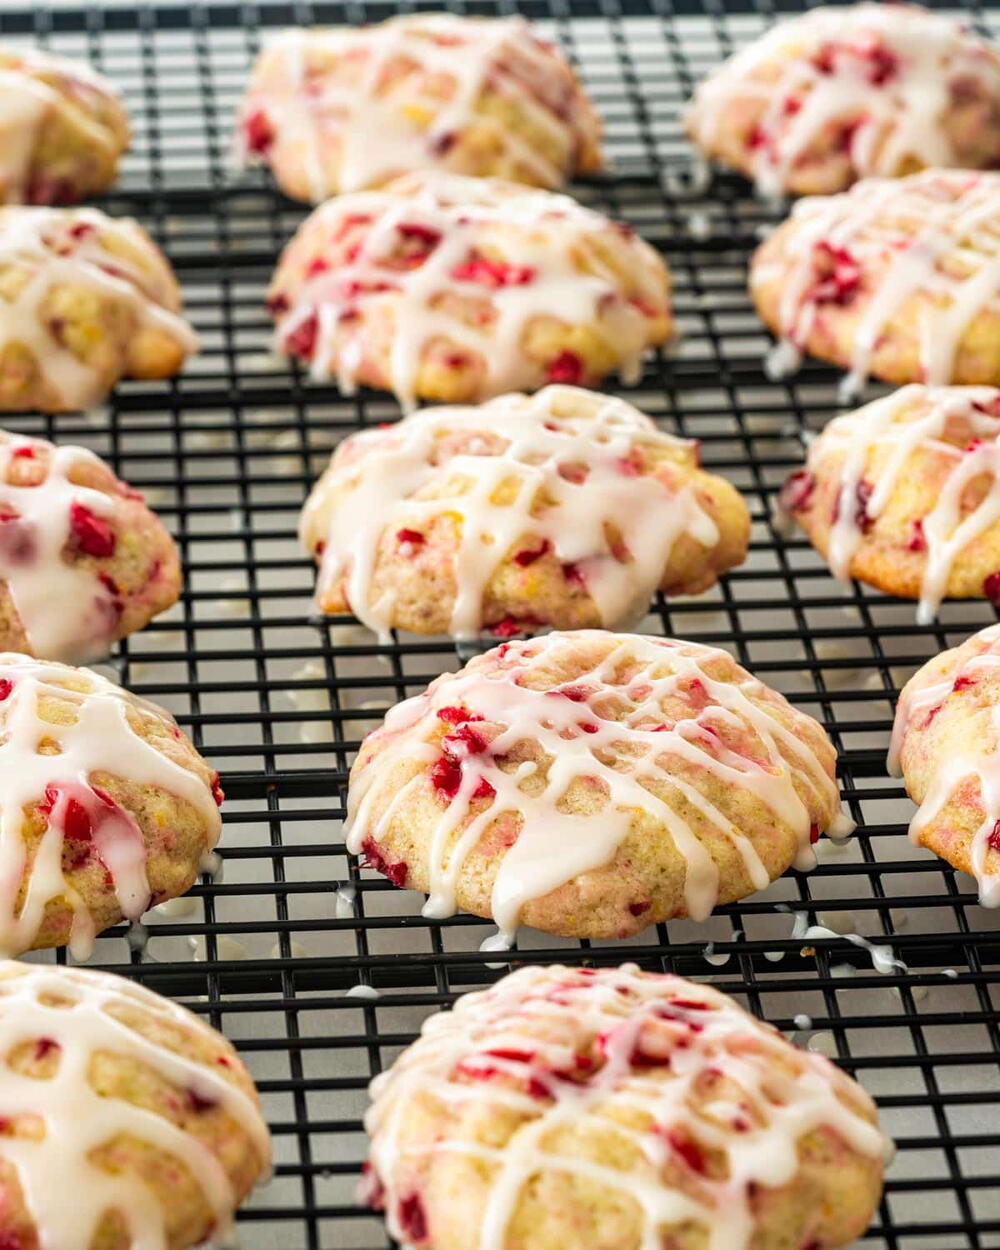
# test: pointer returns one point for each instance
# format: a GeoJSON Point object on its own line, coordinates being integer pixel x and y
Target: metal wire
{"type": "Point", "coordinates": [278, 700]}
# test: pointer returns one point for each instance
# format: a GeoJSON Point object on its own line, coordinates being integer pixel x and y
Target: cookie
{"type": "Point", "coordinates": [902, 495]}
{"type": "Point", "coordinates": [62, 131]}
{"type": "Point", "coordinates": [105, 806]}
{"type": "Point", "coordinates": [837, 94]}
{"type": "Point", "coordinates": [589, 784]}
{"type": "Point", "coordinates": [83, 561]}
{"type": "Point", "coordinates": [896, 278]}
{"type": "Point", "coordinates": [349, 108]}
{"type": "Point", "coordinates": [588, 1109]}
{"type": "Point", "coordinates": [454, 289]}
{"type": "Point", "coordinates": [945, 744]}
{"type": "Point", "coordinates": [84, 300]}
{"type": "Point", "coordinates": [566, 508]}
{"type": "Point", "coordinates": [128, 1121]}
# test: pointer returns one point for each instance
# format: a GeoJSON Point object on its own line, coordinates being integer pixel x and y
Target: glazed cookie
{"type": "Point", "coordinates": [904, 494]}
{"type": "Point", "coordinates": [84, 300]}
{"type": "Point", "coordinates": [128, 1122]}
{"type": "Point", "coordinates": [348, 108]}
{"type": "Point", "coordinates": [83, 561]}
{"type": "Point", "coordinates": [565, 508]}
{"type": "Point", "coordinates": [589, 784]}
{"type": "Point", "coordinates": [105, 806]}
{"type": "Point", "coordinates": [946, 747]}
{"type": "Point", "coordinates": [455, 289]}
{"type": "Point", "coordinates": [62, 132]}
{"type": "Point", "coordinates": [899, 278]}
{"type": "Point", "coordinates": [838, 94]}
{"type": "Point", "coordinates": [587, 1109]}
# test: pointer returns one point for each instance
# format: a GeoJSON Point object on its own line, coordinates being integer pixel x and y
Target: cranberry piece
{"type": "Point", "coordinates": [814, 833]}
{"type": "Point", "coordinates": [317, 266]}
{"type": "Point", "coordinates": [757, 137]}
{"type": "Point", "coordinates": [791, 105]}
{"type": "Point", "coordinates": [44, 1046]}
{"type": "Point", "coordinates": [637, 909]}
{"type": "Point", "coordinates": [198, 1102]}
{"type": "Point", "coordinates": [45, 190]}
{"type": "Point", "coordinates": [81, 230]}
{"type": "Point", "coordinates": [492, 273]}
{"type": "Point", "coordinates": [301, 342]}
{"type": "Point", "coordinates": [17, 539]}
{"type": "Point", "coordinates": [9, 1240]}
{"type": "Point", "coordinates": [457, 715]}
{"type": "Point", "coordinates": [688, 1150]}
{"type": "Point", "coordinates": [797, 491]}
{"type": "Point", "coordinates": [25, 451]}
{"type": "Point", "coordinates": [993, 841]}
{"type": "Point", "coordinates": [426, 236]}
{"type": "Point", "coordinates": [572, 573]}
{"type": "Point", "coordinates": [412, 1218]}
{"type": "Point", "coordinates": [628, 466]}
{"type": "Point", "coordinates": [484, 790]}
{"type": "Point", "coordinates": [395, 870]}
{"type": "Point", "coordinates": [991, 589]}
{"type": "Point", "coordinates": [217, 791]}
{"type": "Point", "coordinates": [441, 144]}
{"type": "Point", "coordinates": [93, 536]}
{"type": "Point", "coordinates": [862, 494]}
{"type": "Point", "coordinates": [278, 304]}
{"type": "Point", "coordinates": [917, 541]}
{"type": "Point", "coordinates": [883, 65]}
{"type": "Point", "coordinates": [689, 1004]}
{"type": "Point", "coordinates": [567, 368]}
{"type": "Point", "coordinates": [412, 538]}
{"type": "Point", "coordinates": [510, 626]}
{"type": "Point", "coordinates": [524, 558]}
{"type": "Point", "coordinates": [838, 275]}
{"type": "Point", "coordinates": [371, 1191]}
{"type": "Point", "coordinates": [258, 131]}
{"type": "Point", "coordinates": [6, 687]}
{"type": "Point", "coordinates": [963, 682]}
{"type": "Point", "coordinates": [75, 820]}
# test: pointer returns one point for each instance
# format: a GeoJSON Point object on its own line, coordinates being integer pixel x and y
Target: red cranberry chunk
{"type": "Point", "coordinates": [797, 492]}
{"type": "Point", "coordinates": [567, 368]}
{"type": "Point", "coordinates": [526, 557]}
{"type": "Point", "coordinates": [917, 540]}
{"type": "Point", "coordinates": [993, 841]}
{"type": "Point", "coordinates": [375, 859]}
{"type": "Point", "coordinates": [492, 273]}
{"type": "Point", "coordinates": [301, 342]}
{"type": "Point", "coordinates": [258, 132]}
{"type": "Point", "coordinates": [412, 1218]}
{"type": "Point", "coordinates": [92, 535]}
{"type": "Point", "coordinates": [991, 589]}
{"type": "Point", "coordinates": [6, 688]}
{"type": "Point", "coordinates": [838, 276]}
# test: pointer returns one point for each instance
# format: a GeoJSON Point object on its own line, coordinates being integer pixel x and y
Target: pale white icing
{"type": "Point", "coordinates": [533, 1024]}
{"type": "Point", "coordinates": [539, 235]}
{"type": "Point", "coordinates": [915, 418]}
{"type": "Point", "coordinates": [563, 478]}
{"type": "Point", "coordinates": [554, 845]}
{"type": "Point", "coordinates": [65, 1193]}
{"type": "Point", "coordinates": [58, 247]}
{"type": "Point", "coordinates": [978, 764]}
{"type": "Point", "coordinates": [934, 237]}
{"type": "Point", "coordinates": [99, 740]}
{"type": "Point", "coordinates": [66, 611]}
{"type": "Point", "coordinates": [379, 128]}
{"type": "Point", "coordinates": [886, 70]}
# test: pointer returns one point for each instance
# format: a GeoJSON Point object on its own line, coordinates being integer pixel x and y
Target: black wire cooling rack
{"type": "Point", "coordinates": [321, 986]}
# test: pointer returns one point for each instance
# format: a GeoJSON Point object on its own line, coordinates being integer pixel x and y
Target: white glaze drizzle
{"type": "Point", "coordinates": [66, 611]}
{"type": "Point", "coordinates": [885, 69]}
{"type": "Point", "coordinates": [538, 233]}
{"type": "Point", "coordinates": [899, 235]}
{"type": "Point", "coordinates": [565, 446]}
{"type": "Point", "coordinates": [913, 419]}
{"type": "Point", "coordinates": [550, 1016]}
{"type": "Point", "coordinates": [979, 764]}
{"type": "Point", "coordinates": [100, 740]}
{"type": "Point", "coordinates": [59, 247]}
{"type": "Point", "coordinates": [554, 846]}
{"type": "Point", "coordinates": [65, 1193]}
{"type": "Point", "coordinates": [414, 124]}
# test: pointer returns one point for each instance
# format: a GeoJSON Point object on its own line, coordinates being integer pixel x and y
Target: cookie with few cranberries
{"type": "Point", "coordinates": [128, 1120]}
{"type": "Point", "coordinates": [347, 108]}
{"type": "Point", "coordinates": [65, 128]}
{"type": "Point", "coordinates": [107, 807]}
{"type": "Point", "coordinates": [589, 784]}
{"type": "Point", "coordinates": [591, 1109]}
{"type": "Point", "coordinates": [83, 560]}
{"type": "Point", "coordinates": [837, 94]}
{"type": "Point", "coordinates": [899, 494]}
{"type": "Point", "coordinates": [896, 279]}
{"type": "Point", "coordinates": [449, 288]}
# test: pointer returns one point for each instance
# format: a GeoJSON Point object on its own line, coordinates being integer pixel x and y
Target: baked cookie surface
{"type": "Point", "coordinates": [896, 278]}
{"type": "Point", "coordinates": [454, 289]}
{"type": "Point", "coordinates": [614, 1109]}
{"type": "Point", "coordinates": [62, 128]}
{"type": "Point", "coordinates": [838, 94]}
{"type": "Point", "coordinates": [106, 808]}
{"type": "Point", "coordinates": [904, 494]}
{"type": "Point", "coordinates": [345, 109]}
{"type": "Point", "coordinates": [83, 561]}
{"type": "Point", "coordinates": [946, 747]}
{"type": "Point", "coordinates": [128, 1121]}
{"type": "Point", "coordinates": [565, 508]}
{"type": "Point", "coordinates": [589, 784]}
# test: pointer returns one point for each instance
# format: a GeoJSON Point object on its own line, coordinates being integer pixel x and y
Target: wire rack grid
{"type": "Point", "coordinates": [321, 971]}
